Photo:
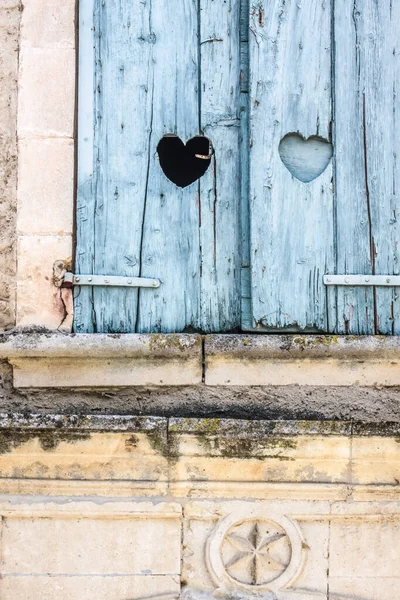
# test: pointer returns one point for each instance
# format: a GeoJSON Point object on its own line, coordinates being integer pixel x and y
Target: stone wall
{"type": "Point", "coordinates": [10, 14]}
{"type": "Point", "coordinates": [132, 508]}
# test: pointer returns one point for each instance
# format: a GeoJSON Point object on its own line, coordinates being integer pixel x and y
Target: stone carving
{"type": "Point", "coordinates": [254, 552]}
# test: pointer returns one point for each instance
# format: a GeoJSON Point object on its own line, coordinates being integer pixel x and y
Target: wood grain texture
{"type": "Point", "coordinates": [83, 297]}
{"type": "Point", "coordinates": [170, 225]}
{"type": "Point", "coordinates": [132, 220]}
{"type": "Point", "coordinates": [245, 74]}
{"type": "Point", "coordinates": [110, 215]}
{"type": "Point", "coordinates": [219, 189]}
{"type": "Point", "coordinates": [291, 230]}
{"type": "Point", "coordinates": [367, 71]}
{"type": "Point", "coordinates": [246, 299]}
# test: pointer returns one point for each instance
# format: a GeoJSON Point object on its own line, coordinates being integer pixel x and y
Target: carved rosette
{"type": "Point", "coordinates": [254, 552]}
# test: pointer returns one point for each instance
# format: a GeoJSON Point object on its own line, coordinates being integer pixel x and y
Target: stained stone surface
{"type": "Point", "coordinates": [10, 15]}
{"type": "Point", "coordinates": [133, 508]}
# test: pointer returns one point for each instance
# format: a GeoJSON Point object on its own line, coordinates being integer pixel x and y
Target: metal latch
{"type": "Point", "coordinates": [351, 280]}
{"type": "Point", "coordinates": [70, 279]}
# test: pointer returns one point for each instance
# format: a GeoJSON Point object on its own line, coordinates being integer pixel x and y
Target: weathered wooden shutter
{"type": "Point", "coordinates": [367, 139]}
{"type": "Point", "coordinates": [329, 69]}
{"type": "Point", "coordinates": [159, 67]}
{"type": "Point", "coordinates": [278, 86]}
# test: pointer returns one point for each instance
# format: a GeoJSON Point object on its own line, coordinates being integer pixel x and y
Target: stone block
{"type": "Point", "coordinates": [246, 548]}
{"type": "Point", "coordinates": [46, 96]}
{"type": "Point", "coordinates": [96, 457]}
{"type": "Point", "coordinates": [273, 459]}
{"type": "Point", "coordinates": [48, 24]}
{"type": "Point", "coordinates": [115, 587]}
{"type": "Point", "coordinates": [38, 300]}
{"type": "Point", "coordinates": [312, 580]}
{"type": "Point", "coordinates": [149, 545]}
{"type": "Point", "coordinates": [364, 548]}
{"type": "Point", "coordinates": [104, 373]}
{"type": "Point", "coordinates": [102, 360]}
{"type": "Point", "coordinates": [368, 588]}
{"type": "Point", "coordinates": [302, 360]}
{"type": "Point", "coordinates": [376, 460]}
{"type": "Point", "coordinates": [46, 187]}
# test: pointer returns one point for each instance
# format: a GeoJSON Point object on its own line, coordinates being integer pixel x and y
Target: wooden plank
{"type": "Point", "coordinates": [246, 303]}
{"type": "Point", "coordinates": [291, 221]}
{"type": "Point", "coordinates": [355, 307]}
{"type": "Point", "coordinates": [122, 109]}
{"type": "Point", "coordinates": [146, 82]}
{"type": "Point", "coordinates": [382, 135]}
{"type": "Point", "coordinates": [170, 238]}
{"type": "Point", "coordinates": [367, 71]}
{"type": "Point", "coordinates": [219, 188]}
{"type": "Point", "coordinates": [83, 317]}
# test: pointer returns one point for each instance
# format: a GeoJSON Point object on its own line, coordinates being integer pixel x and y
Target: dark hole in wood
{"type": "Point", "coordinates": [183, 163]}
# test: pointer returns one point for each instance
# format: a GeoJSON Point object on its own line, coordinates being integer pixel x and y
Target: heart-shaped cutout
{"type": "Point", "coordinates": [305, 159]}
{"type": "Point", "coordinates": [183, 163]}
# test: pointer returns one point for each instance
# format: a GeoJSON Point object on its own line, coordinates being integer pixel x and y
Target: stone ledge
{"type": "Point", "coordinates": [147, 456]}
{"type": "Point", "coordinates": [327, 360]}
{"type": "Point", "coordinates": [220, 427]}
{"type": "Point", "coordinates": [287, 347]}
{"type": "Point", "coordinates": [86, 361]}
{"type": "Point", "coordinates": [119, 510]}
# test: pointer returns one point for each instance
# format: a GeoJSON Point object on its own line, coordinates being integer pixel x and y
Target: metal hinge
{"type": "Point", "coordinates": [351, 280]}
{"type": "Point", "coordinates": [70, 280]}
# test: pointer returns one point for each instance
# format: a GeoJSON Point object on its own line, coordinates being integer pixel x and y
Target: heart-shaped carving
{"type": "Point", "coordinates": [305, 159]}
{"type": "Point", "coordinates": [184, 163]}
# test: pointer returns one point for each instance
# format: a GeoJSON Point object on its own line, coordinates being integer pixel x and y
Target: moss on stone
{"type": "Point", "coordinates": [48, 439]}
{"type": "Point", "coordinates": [305, 341]}
{"type": "Point", "coordinates": [320, 427]}
{"type": "Point", "coordinates": [164, 444]}
{"type": "Point", "coordinates": [248, 447]}
{"type": "Point", "coordinates": [208, 426]}
{"type": "Point", "coordinates": [160, 341]}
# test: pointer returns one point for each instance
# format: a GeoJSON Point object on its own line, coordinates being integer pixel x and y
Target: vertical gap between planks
{"type": "Point", "coordinates": [76, 133]}
{"type": "Point", "coordinates": [246, 308]}
{"type": "Point", "coordinates": [200, 300]}
{"type": "Point", "coordinates": [199, 62]}
{"type": "Point", "coordinates": [98, 65]}
{"type": "Point", "coordinates": [84, 175]}
{"type": "Point", "coordinates": [95, 167]}
{"type": "Point", "coordinates": [332, 327]}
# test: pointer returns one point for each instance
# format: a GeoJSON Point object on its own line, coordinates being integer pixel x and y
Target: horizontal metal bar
{"type": "Point", "coordinates": [70, 279]}
{"type": "Point", "coordinates": [365, 280]}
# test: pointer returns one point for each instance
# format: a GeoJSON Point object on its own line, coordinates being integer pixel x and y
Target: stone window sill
{"type": "Point", "coordinates": [109, 361]}
{"type": "Point", "coordinates": [91, 360]}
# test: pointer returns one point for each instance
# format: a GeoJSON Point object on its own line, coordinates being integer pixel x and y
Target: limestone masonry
{"type": "Point", "coordinates": [10, 15]}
